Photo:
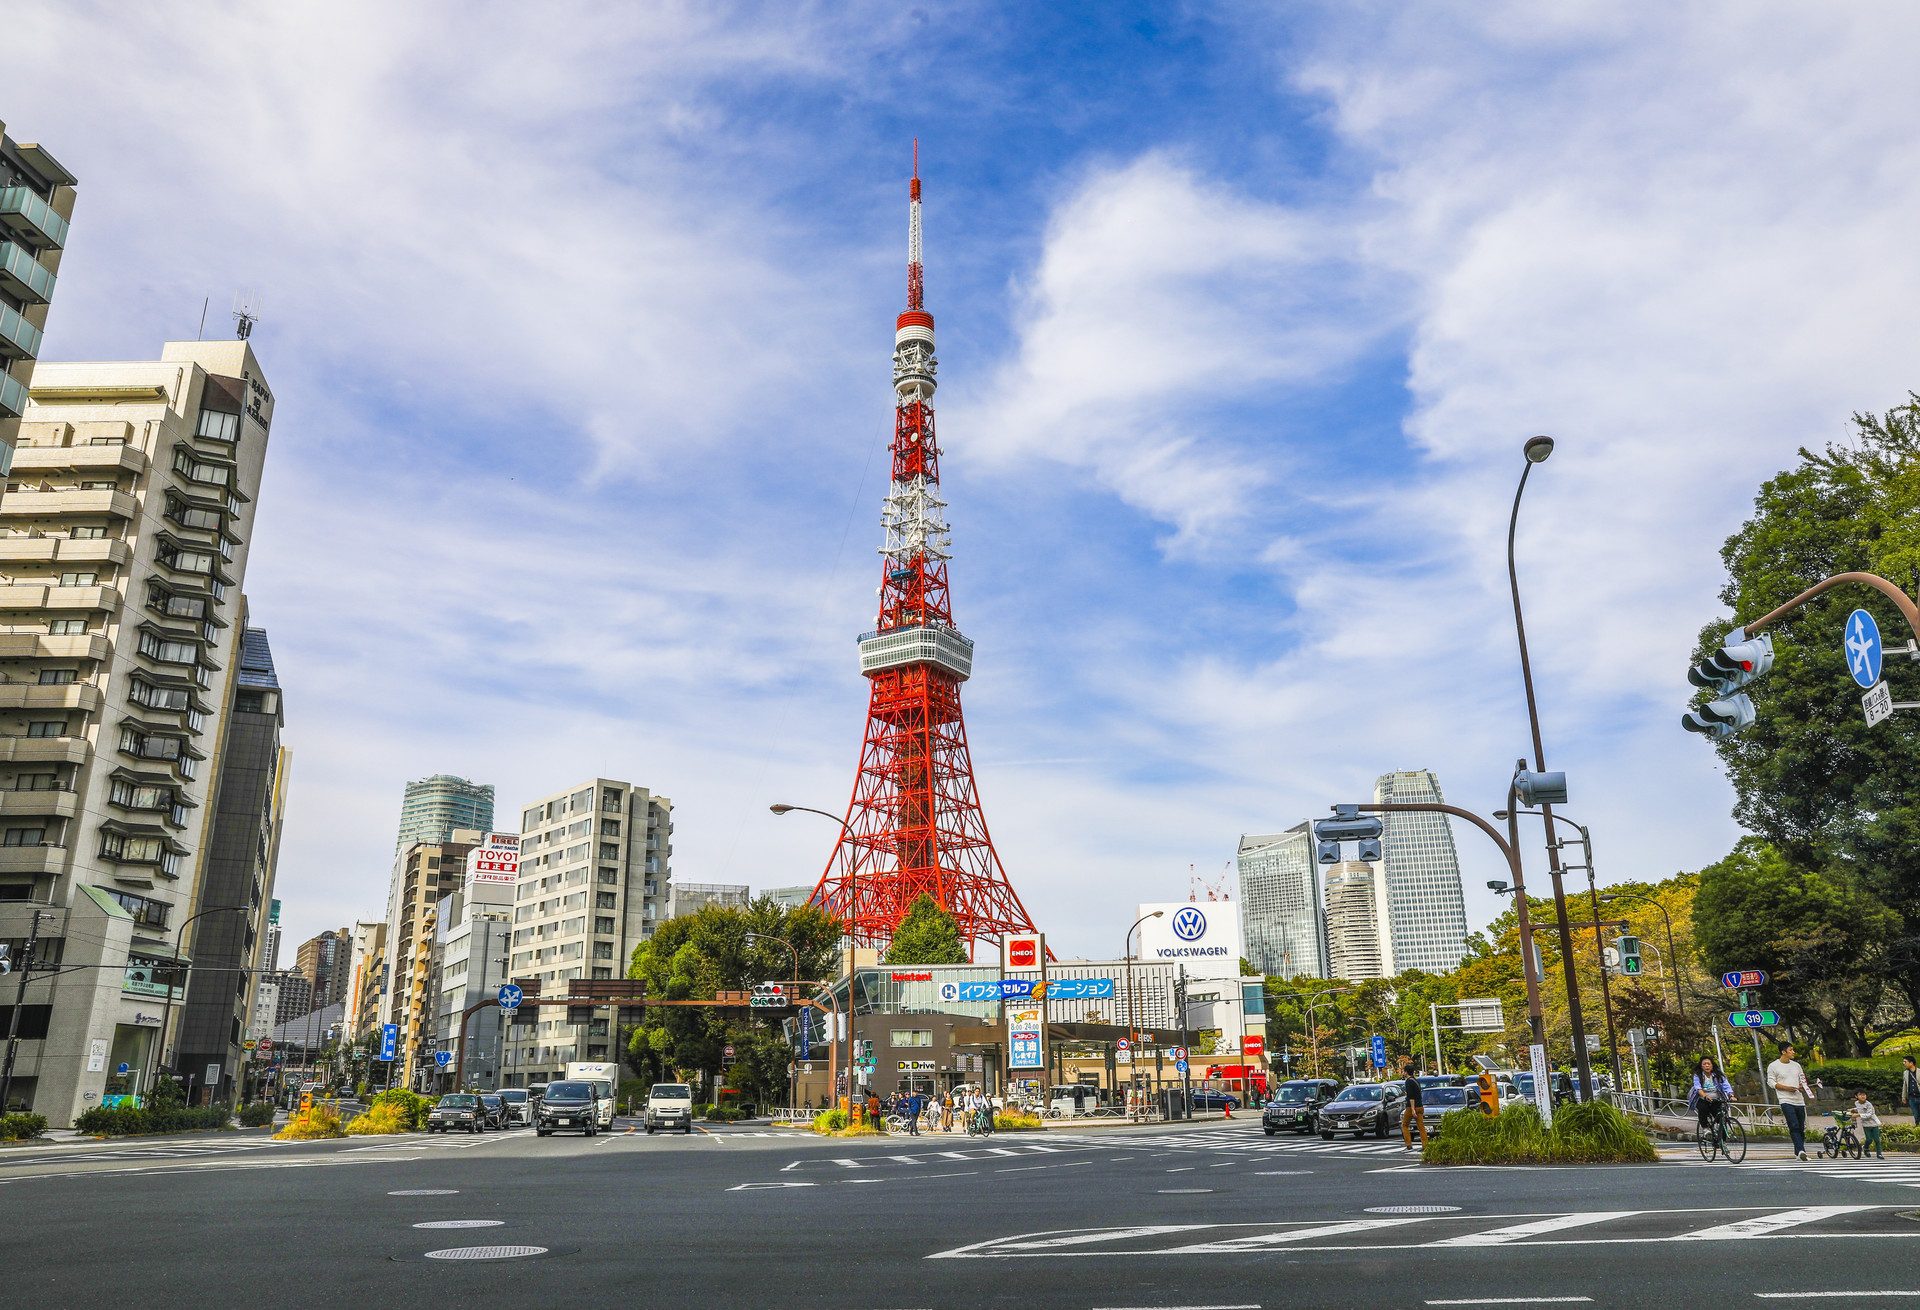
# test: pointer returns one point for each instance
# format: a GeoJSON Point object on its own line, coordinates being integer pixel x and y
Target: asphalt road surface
{"type": "Point", "coordinates": [1195, 1216]}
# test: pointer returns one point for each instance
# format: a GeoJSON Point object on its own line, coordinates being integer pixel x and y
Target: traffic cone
{"type": "Point", "coordinates": [1226, 1108]}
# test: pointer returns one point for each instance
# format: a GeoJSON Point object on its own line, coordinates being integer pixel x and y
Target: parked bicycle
{"type": "Point", "coordinates": [1840, 1139]}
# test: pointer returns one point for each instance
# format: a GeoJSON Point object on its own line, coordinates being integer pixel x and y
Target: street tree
{"type": "Point", "coordinates": [927, 935]}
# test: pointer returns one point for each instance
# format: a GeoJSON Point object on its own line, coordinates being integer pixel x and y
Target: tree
{"type": "Point", "coordinates": [1829, 793]}
{"type": "Point", "coordinates": [928, 935]}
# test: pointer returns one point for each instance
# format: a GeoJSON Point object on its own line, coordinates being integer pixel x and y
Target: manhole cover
{"type": "Point", "coordinates": [1411, 1209]}
{"type": "Point", "coordinates": [462, 1223]}
{"type": "Point", "coordinates": [427, 1191]}
{"type": "Point", "coordinates": [486, 1252]}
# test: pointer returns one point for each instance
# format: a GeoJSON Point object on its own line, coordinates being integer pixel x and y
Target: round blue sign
{"type": "Point", "coordinates": [1862, 645]}
{"type": "Point", "coordinates": [1189, 925]}
{"type": "Point", "coordinates": [122, 1070]}
{"type": "Point", "coordinates": [509, 997]}
{"type": "Point", "coordinates": [1180, 1066]}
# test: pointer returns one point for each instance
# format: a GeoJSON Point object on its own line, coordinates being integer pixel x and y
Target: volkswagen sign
{"type": "Point", "coordinates": [1206, 939]}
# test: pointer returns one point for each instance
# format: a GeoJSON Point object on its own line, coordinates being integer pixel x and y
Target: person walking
{"type": "Point", "coordinates": [1411, 1119]}
{"type": "Point", "coordinates": [1868, 1119]}
{"type": "Point", "coordinates": [910, 1111]}
{"type": "Point", "coordinates": [1791, 1089]}
{"type": "Point", "coordinates": [946, 1112]}
{"type": "Point", "coordinates": [1910, 1086]}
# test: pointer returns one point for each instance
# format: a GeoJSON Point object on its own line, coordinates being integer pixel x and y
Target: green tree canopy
{"type": "Point", "coordinates": [928, 935]}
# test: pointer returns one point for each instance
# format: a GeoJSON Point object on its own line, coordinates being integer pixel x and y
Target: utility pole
{"type": "Point", "coordinates": [19, 1004]}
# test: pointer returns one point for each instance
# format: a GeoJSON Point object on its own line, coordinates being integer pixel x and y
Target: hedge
{"type": "Point", "coordinates": [413, 1107]}
{"type": "Point", "coordinates": [1013, 1121]}
{"type": "Point", "coordinates": [380, 1120]}
{"type": "Point", "coordinates": [256, 1114]}
{"type": "Point", "coordinates": [1878, 1078]}
{"type": "Point", "coordinates": [725, 1114]}
{"type": "Point", "coordinates": [1588, 1133]}
{"type": "Point", "coordinates": [19, 1127]}
{"type": "Point", "coordinates": [309, 1125]}
{"type": "Point", "coordinates": [137, 1121]}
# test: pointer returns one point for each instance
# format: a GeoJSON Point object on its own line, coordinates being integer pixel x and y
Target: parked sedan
{"type": "Point", "coordinates": [1295, 1103]}
{"type": "Point", "coordinates": [1436, 1102]}
{"type": "Point", "coordinates": [495, 1110]}
{"type": "Point", "coordinates": [1362, 1108]}
{"type": "Point", "coordinates": [1207, 1098]}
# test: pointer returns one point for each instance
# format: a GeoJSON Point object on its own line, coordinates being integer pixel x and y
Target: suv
{"type": "Point", "coordinates": [460, 1110]}
{"type": "Point", "coordinates": [494, 1109]}
{"type": "Point", "coordinates": [568, 1107]}
{"type": "Point", "coordinates": [519, 1106]}
{"type": "Point", "coordinates": [669, 1105]}
{"type": "Point", "coordinates": [1295, 1103]}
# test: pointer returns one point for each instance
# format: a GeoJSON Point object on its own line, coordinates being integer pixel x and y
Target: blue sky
{"type": "Point", "coordinates": [578, 319]}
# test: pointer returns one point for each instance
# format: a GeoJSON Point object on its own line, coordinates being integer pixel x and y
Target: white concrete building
{"type": "Point", "coordinates": [124, 535]}
{"type": "Point", "coordinates": [594, 881]}
{"type": "Point", "coordinates": [1356, 940]}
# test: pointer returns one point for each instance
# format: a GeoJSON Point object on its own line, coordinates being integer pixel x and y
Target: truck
{"type": "Point", "coordinates": [606, 1075]}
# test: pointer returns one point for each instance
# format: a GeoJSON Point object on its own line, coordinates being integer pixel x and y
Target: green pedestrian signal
{"type": "Point", "coordinates": [1630, 965]}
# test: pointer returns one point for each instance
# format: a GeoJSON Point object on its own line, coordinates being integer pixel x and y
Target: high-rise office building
{"type": "Point", "coordinates": [686, 899]}
{"type": "Point", "coordinates": [123, 541]}
{"type": "Point", "coordinates": [1426, 909]}
{"type": "Point", "coordinates": [243, 850]}
{"type": "Point", "coordinates": [435, 808]}
{"type": "Point", "coordinates": [1356, 946]}
{"type": "Point", "coordinates": [1280, 918]}
{"type": "Point", "coordinates": [595, 871]}
{"type": "Point", "coordinates": [322, 960]}
{"type": "Point", "coordinates": [36, 201]}
{"type": "Point", "coordinates": [270, 944]}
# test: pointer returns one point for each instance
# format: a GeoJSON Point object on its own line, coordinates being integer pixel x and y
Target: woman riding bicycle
{"type": "Point", "coordinates": [1711, 1093]}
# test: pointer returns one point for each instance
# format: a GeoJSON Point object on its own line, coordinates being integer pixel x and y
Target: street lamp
{"type": "Point", "coordinates": [166, 1019]}
{"type": "Point", "coordinates": [1673, 970]}
{"type": "Point", "coordinates": [1599, 946]}
{"type": "Point", "coordinates": [1133, 1013]}
{"type": "Point", "coordinates": [1537, 449]}
{"type": "Point", "coordinates": [1312, 1036]}
{"type": "Point", "coordinates": [853, 919]}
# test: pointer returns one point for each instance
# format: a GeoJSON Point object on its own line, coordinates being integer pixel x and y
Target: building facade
{"type": "Point", "coordinates": [422, 874]}
{"type": "Point", "coordinates": [295, 995]}
{"type": "Point", "coordinates": [595, 878]}
{"type": "Point", "coordinates": [686, 899]}
{"type": "Point", "coordinates": [123, 542]}
{"type": "Point", "coordinates": [433, 809]}
{"type": "Point", "coordinates": [322, 959]}
{"type": "Point", "coordinates": [474, 928]}
{"type": "Point", "coordinates": [270, 944]}
{"type": "Point", "coordinates": [1280, 916]}
{"type": "Point", "coordinates": [36, 202]}
{"type": "Point", "coordinates": [243, 851]}
{"type": "Point", "coordinates": [1426, 908]}
{"type": "Point", "coordinates": [366, 975]}
{"type": "Point", "coordinates": [1356, 947]}
{"type": "Point", "coordinates": [789, 897]}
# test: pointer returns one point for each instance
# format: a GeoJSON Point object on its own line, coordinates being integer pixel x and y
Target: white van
{"type": "Point", "coordinates": [604, 1076]}
{"type": "Point", "coordinates": [670, 1105]}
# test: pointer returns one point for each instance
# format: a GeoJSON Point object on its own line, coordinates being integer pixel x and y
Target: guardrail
{"type": "Point", "coordinates": [1752, 1114]}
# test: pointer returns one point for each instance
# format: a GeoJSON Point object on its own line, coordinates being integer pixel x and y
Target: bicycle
{"type": "Point", "coordinates": [980, 1123]}
{"type": "Point", "coordinates": [1840, 1139]}
{"type": "Point", "coordinates": [1721, 1135]}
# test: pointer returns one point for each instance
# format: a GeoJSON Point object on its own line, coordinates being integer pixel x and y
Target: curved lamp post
{"type": "Point", "coordinates": [853, 942]}
{"type": "Point", "coordinates": [1133, 1013]}
{"type": "Point", "coordinates": [166, 1019]}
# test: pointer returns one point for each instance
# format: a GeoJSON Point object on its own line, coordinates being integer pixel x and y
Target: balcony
{"type": "Point", "coordinates": [24, 548]}
{"type": "Point", "coordinates": [59, 598]}
{"type": "Point", "coordinates": [23, 275]}
{"type": "Point", "coordinates": [89, 459]}
{"type": "Point", "coordinates": [31, 219]}
{"type": "Point", "coordinates": [29, 502]}
{"type": "Point", "coordinates": [32, 859]}
{"type": "Point", "coordinates": [50, 804]}
{"type": "Point", "coordinates": [13, 398]}
{"type": "Point", "coordinates": [19, 339]}
{"type": "Point", "coordinates": [32, 696]}
{"type": "Point", "coordinates": [34, 646]}
{"type": "Point", "coordinates": [43, 750]}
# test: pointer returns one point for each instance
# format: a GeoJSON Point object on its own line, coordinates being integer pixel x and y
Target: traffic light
{"type": "Point", "coordinates": [1629, 948]}
{"type": "Point", "coordinates": [1347, 825]}
{"type": "Point", "coordinates": [768, 996]}
{"type": "Point", "coordinates": [1536, 789]}
{"type": "Point", "coordinates": [1739, 661]}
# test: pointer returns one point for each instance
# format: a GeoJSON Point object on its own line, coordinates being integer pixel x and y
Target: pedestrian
{"type": "Point", "coordinates": [1910, 1086]}
{"type": "Point", "coordinates": [1790, 1087]}
{"type": "Point", "coordinates": [946, 1112]}
{"type": "Point", "coordinates": [1410, 1117]}
{"type": "Point", "coordinates": [873, 1109]}
{"type": "Point", "coordinates": [910, 1111]}
{"type": "Point", "coordinates": [1869, 1121]}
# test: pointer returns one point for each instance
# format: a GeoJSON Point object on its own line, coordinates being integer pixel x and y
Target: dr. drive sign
{"type": "Point", "coordinates": [1203, 936]}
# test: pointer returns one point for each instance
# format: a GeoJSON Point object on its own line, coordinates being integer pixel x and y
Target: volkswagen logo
{"type": "Point", "coordinates": [1189, 925]}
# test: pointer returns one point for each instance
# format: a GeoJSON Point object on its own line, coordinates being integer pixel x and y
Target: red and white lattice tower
{"type": "Point", "coordinates": [914, 824]}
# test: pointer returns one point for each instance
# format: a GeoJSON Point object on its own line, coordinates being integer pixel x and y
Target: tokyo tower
{"type": "Point", "coordinates": [914, 823]}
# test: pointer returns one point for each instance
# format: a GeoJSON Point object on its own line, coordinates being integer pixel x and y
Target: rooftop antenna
{"type": "Point", "coordinates": [246, 312]}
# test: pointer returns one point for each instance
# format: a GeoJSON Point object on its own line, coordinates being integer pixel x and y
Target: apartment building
{"type": "Point", "coordinates": [1357, 943]}
{"type": "Point", "coordinates": [366, 975]}
{"type": "Point", "coordinates": [422, 874]}
{"type": "Point", "coordinates": [242, 854]}
{"type": "Point", "coordinates": [322, 958]}
{"type": "Point", "coordinates": [594, 882]}
{"type": "Point", "coordinates": [686, 899]}
{"type": "Point", "coordinates": [36, 202]}
{"type": "Point", "coordinates": [123, 543]}
{"type": "Point", "coordinates": [434, 808]}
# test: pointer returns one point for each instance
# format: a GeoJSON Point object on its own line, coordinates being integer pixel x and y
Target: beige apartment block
{"type": "Point", "coordinates": [36, 203]}
{"type": "Point", "coordinates": [422, 874]}
{"type": "Point", "coordinates": [595, 867]}
{"type": "Point", "coordinates": [123, 544]}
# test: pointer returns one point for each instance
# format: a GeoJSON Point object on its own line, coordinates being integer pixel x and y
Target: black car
{"type": "Point", "coordinates": [1295, 1103]}
{"type": "Point", "coordinates": [568, 1107]}
{"type": "Point", "coordinates": [1212, 1098]}
{"type": "Point", "coordinates": [460, 1111]}
{"type": "Point", "coordinates": [494, 1109]}
{"type": "Point", "coordinates": [1363, 1108]}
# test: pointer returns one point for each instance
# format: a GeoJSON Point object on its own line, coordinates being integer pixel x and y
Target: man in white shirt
{"type": "Point", "coordinates": [1789, 1083]}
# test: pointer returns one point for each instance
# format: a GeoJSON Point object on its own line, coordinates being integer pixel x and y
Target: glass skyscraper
{"type": "Point", "coordinates": [1280, 916]}
{"type": "Point", "coordinates": [1426, 910]}
{"type": "Point", "coordinates": [435, 806]}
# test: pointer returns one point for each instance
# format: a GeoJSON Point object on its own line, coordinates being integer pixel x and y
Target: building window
{"type": "Point", "coordinates": [38, 782]}
{"type": "Point", "coordinates": [609, 851]}
{"type": "Point", "coordinates": [609, 827]}
{"type": "Point", "coordinates": [611, 802]}
{"type": "Point", "coordinates": [92, 532]}
{"type": "Point", "coordinates": [603, 950]}
{"type": "Point", "coordinates": [603, 924]}
{"type": "Point", "coordinates": [25, 836]}
{"type": "Point", "coordinates": [66, 627]}
{"type": "Point", "coordinates": [907, 1037]}
{"type": "Point", "coordinates": [601, 972]}
{"type": "Point", "coordinates": [47, 728]}
{"type": "Point", "coordinates": [218, 425]}
{"type": "Point", "coordinates": [56, 677]}
{"type": "Point", "coordinates": [99, 484]}
{"type": "Point", "coordinates": [605, 901]}
{"type": "Point", "coordinates": [148, 914]}
{"type": "Point", "coordinates": [79, 579]}
{"type": "Point", "coordinates": [610, 875]}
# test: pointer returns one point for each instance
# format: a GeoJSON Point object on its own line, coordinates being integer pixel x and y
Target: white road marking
{"type": "Point", "coordinates": [1104, 1235]}
{"type": "Point", "coordinates": [1517, 1300]}
{"type": "Point", "coordinates": [1029, 1168]}
{"type": "Point", "coordinates": [1763, 1225]}
{"type": "Point", "coordinates": [1518, 1232]}
{"type": "Point", "coordinates": [1178, 1307]}
{"type": "Point", "coordinates": [1257, 1241]}
{"type": "Point", "coordinates": [1798, 1296]}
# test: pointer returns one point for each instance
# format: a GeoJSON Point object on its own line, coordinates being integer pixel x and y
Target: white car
{"type": "Point", "coordinates": [669, 1105]}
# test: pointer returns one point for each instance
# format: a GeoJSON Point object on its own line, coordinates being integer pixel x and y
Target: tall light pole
{"type": "Point", "coordinates": [1133, 1009]}
{"type": "Point", "coordinates": [1679, 1005]}
{"type": "Point", "coordinates": [166, 1019]}
{"type": "Point", "coordinates": [1312, 1037]}
{"type": "Point", "coordinates": [1537, 450]}
{"type": "Point", "coordinates": [853, 919]}
{"type": "Point", "coordinates": [1599, 946]}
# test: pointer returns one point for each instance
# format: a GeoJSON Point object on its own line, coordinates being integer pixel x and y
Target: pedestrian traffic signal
{"type": "Point", "coordinates": [1739, 661]}
{"type": "Point", "coordinates": [1629, 948]}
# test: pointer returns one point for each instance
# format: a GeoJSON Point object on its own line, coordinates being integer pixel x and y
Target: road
{"type": "Point", "coordinates": [1156, 1218]}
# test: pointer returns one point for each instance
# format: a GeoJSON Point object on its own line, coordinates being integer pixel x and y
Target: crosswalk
{"type": "Point", "coordinates": [1446, 1232]}
{"type": "Point", "coordinates": [1902, 1172]}
{"type": "Point", "coordinates": [1248, 1138]}
{"type": "Point", "coordinates": [183, 1150]}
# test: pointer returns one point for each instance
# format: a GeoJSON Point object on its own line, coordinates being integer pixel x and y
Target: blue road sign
{"type": "Point", "coordinates": [443, 1058]}
{"type": "Point", "coordinates": [1379, 1051]}
{"type": "Point", "coordinates": [1862, 644]}
{"type": "Point", "coordinates": [806, 1034]}
{"type": "Point", "coordinates": [1180, 1066]}
{"type": "Point", "coordinates": [122, 1070]}
{"type": "Point", "coordinates": [510, 997]}
{"type": "Point", "coordinates": [389, 1040]}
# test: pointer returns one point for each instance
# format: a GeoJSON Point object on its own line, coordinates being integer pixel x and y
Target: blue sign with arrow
{"type": "Point", "coordinates": [1864, 652]}
{"type": "Point", "coordinates": [510, 997]}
